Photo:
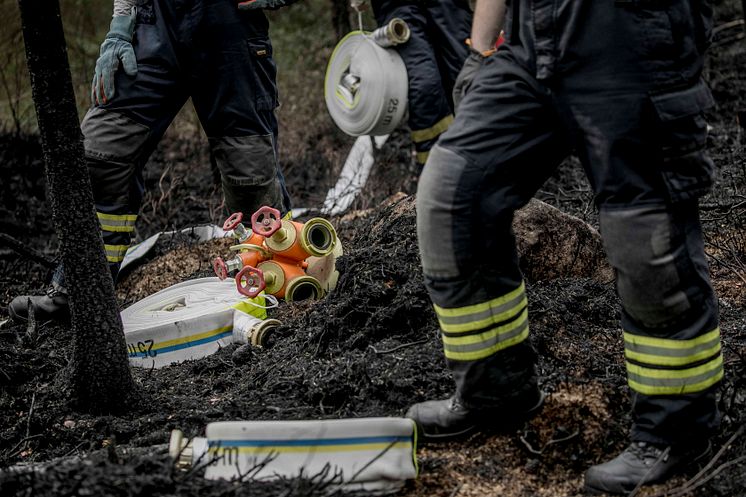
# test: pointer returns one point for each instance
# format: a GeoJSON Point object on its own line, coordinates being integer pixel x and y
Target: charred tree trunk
{"type": "Point", "coordinates": [341, 17]}
{"type": "Point", "coordinates": [100, 377]}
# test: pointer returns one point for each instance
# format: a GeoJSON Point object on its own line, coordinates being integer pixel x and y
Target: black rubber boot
{"type": "Point", "coordinates": [444, 420]}
{"type": "Point", "coordinates": [642, 462]}
{"type": "Point", "coordinates": [50, 307]}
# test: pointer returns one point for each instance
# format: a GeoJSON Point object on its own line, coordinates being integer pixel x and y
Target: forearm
{"type": "Point", "coordinates": [488, 21]}
{"type": "Point", "coordinates": [123, 7]}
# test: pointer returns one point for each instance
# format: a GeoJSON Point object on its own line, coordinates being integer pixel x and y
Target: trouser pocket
{"type": "Point", "coordinates": [681, 135]}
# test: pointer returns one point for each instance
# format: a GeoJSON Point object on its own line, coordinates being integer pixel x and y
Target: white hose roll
{"type": "Point", "coordinates": [186, 321]}
{"type": "Point", "coordinates": [368, 454]}
{"type": "Point", "coordinates": [365, 86]}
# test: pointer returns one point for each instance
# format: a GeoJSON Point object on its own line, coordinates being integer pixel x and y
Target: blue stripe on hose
{"type": "Point", "coordinates": [306, 442]}
{"type": "Point", "coordinates": [187, 345]}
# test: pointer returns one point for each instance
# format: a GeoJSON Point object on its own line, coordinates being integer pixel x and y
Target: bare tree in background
{"type": "Point", "coordinates": [100, 376]}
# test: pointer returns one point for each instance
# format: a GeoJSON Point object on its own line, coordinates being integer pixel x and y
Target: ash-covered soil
{"type": "Point", "coordinates": [371, 348]}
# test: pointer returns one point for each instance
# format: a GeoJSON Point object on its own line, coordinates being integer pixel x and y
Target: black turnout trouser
{"type": "Point", "coordinates": [618, 83]}
{"type": "Point", "coordinates": [434, 55]}
{"type": "Point", "coordinates": [221, 58]}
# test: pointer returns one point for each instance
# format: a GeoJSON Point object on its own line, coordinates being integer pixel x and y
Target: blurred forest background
{"type": "Point", "coordinates": [303, 36]}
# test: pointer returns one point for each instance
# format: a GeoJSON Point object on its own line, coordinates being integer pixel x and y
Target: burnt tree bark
{"type": "Point", "coordinates": [100, 377]}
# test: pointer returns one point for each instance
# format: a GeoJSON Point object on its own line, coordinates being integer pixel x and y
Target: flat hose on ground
{"type": "Point", "coordinates": [191, 320]}
{"type": "Point", "coordinates": [372, 455]}
{"type": "Point", "coordinates": [365, 86]}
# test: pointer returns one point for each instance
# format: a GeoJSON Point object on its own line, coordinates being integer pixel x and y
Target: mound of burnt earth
{"type": "Point", "coordinates": [370, 348]}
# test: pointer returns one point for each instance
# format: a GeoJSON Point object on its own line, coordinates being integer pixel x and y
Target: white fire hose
{"type": "Point", "coordinates": [374, 455]}
{"type": "Point", "coordinates": [191, 320]}
{"type": "Point", "coordinates": [366, 85]}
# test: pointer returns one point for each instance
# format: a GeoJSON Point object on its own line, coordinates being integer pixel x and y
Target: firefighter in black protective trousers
{"type": "Point", "coordinates": [433, 57]}
{"type": "Point", "coordinates": [158, 54]}
{"type": "Point", "coordinates": [619, 82]}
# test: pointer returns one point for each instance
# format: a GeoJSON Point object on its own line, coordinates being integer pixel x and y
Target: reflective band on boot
{"type": "Point", "coordinates": [655, 366]}
{"type": "Point", "coordinates": [477, 331]}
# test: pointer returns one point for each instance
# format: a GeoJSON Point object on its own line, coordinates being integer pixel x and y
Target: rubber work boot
{"type": "Point", "coordinates": [444, 420]}
{"type": "Point", "coordinates": [642, 462]}
{"type": "Point", "coordinates": [50, 307]}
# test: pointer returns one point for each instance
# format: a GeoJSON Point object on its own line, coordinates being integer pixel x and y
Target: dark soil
{"type": "Point", "coordinates": [371, 348]}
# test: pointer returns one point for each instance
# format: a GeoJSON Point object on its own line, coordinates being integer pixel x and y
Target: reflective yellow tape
{"type": "Point", "coordinates": [518, 308]}
{"type": "Point", "coordinates": [422, 157]}
{"type": "Point", "coordinates": [115, 253]}
{"type": "Point", "coordinates": [676, 390]}
{"type": "Point", "coordinates": [675, 381]}
{"type": "Point", "coordinates": [659, 360]}
{"type": "Point", "coordinates": [675, 374]}
{"type": "Point", "coordinates": [667, 343]}
{"type": "Point", "coordinates": [484, 353]}
{"type": "Point", "coordinates": [477, 308]}
{"type": "Point", "coordinates": [117, 223]}
{"type": "Point", "coordinates": [489, 334]}
{"type": "Point", "coordinates": [117, 217]}
{"type": "Point", "coordinates": [434, 131]}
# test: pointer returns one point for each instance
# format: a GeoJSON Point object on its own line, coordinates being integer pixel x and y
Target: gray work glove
{"type": "Point", "coordinates": [115, 50]}
{"type": "Point", "coordinates": [463, 82]}
{"type": "Point", "coordinates": [264, 4]}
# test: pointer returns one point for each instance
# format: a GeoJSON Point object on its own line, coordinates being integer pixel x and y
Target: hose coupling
{"type": "Point", "coordinates": [396, 32]}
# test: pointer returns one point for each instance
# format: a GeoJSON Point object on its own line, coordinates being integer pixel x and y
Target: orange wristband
{"type": "Point", "coordinates": [485, 54]}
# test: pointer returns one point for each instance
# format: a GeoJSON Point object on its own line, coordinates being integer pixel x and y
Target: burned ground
{"type": "Point", "coordinates": [371, 348]}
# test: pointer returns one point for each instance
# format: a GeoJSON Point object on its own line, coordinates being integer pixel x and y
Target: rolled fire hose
{"type": "Point", "coordinates": [191, 320]}
{"type": "Point", "coordinates": [374, 455]}
{"type": "Point", "coordinates": [366, 85]}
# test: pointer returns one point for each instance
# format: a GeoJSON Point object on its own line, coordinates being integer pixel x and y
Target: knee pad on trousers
{"type": "Point", "coordinates": [248, 166]}
{"type": "Point", "coordinates": [114, 144]}
{"type": "Point", "coordinates": [438, 212]}
{"type": "Point", "coordinates": [658, 259]}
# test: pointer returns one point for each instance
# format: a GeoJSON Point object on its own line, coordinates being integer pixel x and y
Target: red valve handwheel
{"type": "Point", "coordinates": [266, 221]}
{"type": "Point", "coordinates": [233, 221]}
{"type": "Point", "coordinates": [254, 281]}
{"type": "Point", "coordinates": [221, 270]}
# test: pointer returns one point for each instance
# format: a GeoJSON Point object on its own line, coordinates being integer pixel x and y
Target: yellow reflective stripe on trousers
{"type": "Point", "coordinates": [117, 223]}
{"type": "Point", "coordinates": [481, 312]}
{"type": "Point", "coordinates": [434, 131]}
{"type": "Point", "coordinates": [650, 381]}
{"type": "Point", "coordinates": [483, 345]}
{"type": "Point", "coordinates": [668, 352]}
{"type": "Point", "coordinates": [115, 253]}
{"type": "Point", "coordinates": [422, 157]}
